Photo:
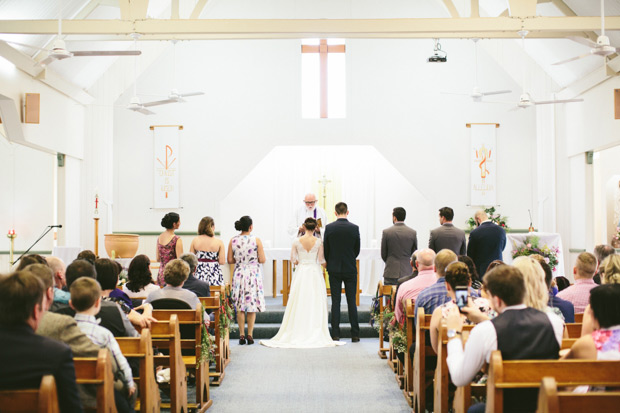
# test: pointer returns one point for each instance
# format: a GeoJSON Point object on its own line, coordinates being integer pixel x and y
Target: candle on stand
{"type": "Point", "coordinates": [96, 203]}
{"type": "Point", "coordinates": [11, 235]}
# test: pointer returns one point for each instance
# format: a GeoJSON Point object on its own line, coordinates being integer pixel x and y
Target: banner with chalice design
{"type": "Point", "coordinates": [483, 164]}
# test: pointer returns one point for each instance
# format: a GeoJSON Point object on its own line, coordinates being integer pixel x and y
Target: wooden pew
{"type": "Point", "coordinates": [166, 335]}
{"type": "Point", "coordinates": [422, 377]}
{"type": "Point", "coordinates": [442, 375]}
{"type": "Point", "coordinates": [97, 371]}
{"type": "Point", "coordinates": [141, 348]}
{"type": "Point", "coordinates": [224, 290]}
{"type": "Point", "coordinates": [192, 362]}
{"type": "Point", "coordinates": [41, 400]}
{"type": "Point", "coordinates": [462, 396]}
{"type": "Point", "coordinates": [408, 368]}
{"type": "Point", "coordinates": [213, 303]}
{"type": "Point", "coordinates": [579, 318]}
{"type": "Point", "coordinates": [384, 292]}
{"type": "Point", "coordinates": [552, 401]}
{"type": "Point", "coordinates": [522, 374]}
{"type": "Point", "coordinates": [573, 329]}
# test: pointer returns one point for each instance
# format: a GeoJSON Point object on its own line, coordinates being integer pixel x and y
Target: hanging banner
{"type": "Point", "coordinates": [166, 167]}
{"type": "Point", "coordinates": [483, 161]}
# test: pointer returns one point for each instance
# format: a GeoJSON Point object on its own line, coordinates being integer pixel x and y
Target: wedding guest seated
{"type": "Point", "coordinates": [602, 317]}
{"type": "Point", "coordinates": [425, 261]}
{"type": "Point", "coordinates": [457, 275]}
{"type": "Point", "coordinates": [493, 264]}
{"type": "Point", "coordinates": [566, 308]}
{"type": "Point", "coordinates": [110, 314]}
{"type": "Point", "coordinates": [24, 356]}
{"type": "Point", "coordinates": [193, 284]}
{"type": "Point", "coordinates": [476, 283]}
{"type": "Point", "coordinates": [519, 332]}
{"type": "Point", "coordinates": [414, 272]}
{"type": "Point", "coordinates": [86, 301]}
{"type": "Point", "coordinates": [562, 283]}
{"type": "Point", "coordinates": [579, 293]}
{"type": "Point", "coordinates": [87, 255]}
{"type": "Point", "coordinates": [139, 278]}
{"type": "Point", "coordinates": [611, 272]}
{"type": "Point", "coordinates": [107, 275]}
{"type": "Point", "coordinates": [601, 252]}
{"type": "Point", "coordinates": [175, 274]}
{"type": "Point", "coordinates": [59, 269]}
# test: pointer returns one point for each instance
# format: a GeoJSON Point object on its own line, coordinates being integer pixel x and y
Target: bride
{"type": "Point", "coordinates": [305, 319]}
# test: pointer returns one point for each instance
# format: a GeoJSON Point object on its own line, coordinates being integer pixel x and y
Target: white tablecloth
{"type": "Point", "coordinates": [371, 268]}
{"type": "Point", "coordinates": [67, 254]}
{"type": "Point", "coordinates": [546, 238]}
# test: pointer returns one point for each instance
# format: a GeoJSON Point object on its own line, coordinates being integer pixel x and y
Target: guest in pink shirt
{"type": "Point", "coordinates": [425, 262]}
{"type": "Point", "coordinates": [579, 293]}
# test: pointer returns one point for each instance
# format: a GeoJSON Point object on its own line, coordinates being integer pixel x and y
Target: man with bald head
{"type": "Point", "coordinates": [486, 242]}
{"type": "Point", "coordinates": [425, 262]}
{"type": "Point", "coordinates": [309, 209]}
{"type": "Point", "coordinates": [59, 269]}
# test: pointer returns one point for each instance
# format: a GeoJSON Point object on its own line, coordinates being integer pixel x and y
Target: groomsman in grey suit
{"type": "Point", "coordinates": [397, 244]}
{"type": "Point", "coordinates": [447, 236]}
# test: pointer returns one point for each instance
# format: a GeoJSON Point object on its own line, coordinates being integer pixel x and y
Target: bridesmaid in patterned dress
{"type": "Point", "coordinates": [169, 245]}
{"type": "Point", "coordinates": [246, 252]}
{"type": "Point", "coordinates": [210, 253]}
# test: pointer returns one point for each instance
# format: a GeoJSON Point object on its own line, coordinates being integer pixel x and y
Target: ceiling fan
{"type": "Point", "coordinates": [476, 94]}
{"type": "Point", "coordinates": [174, 96]}
{"type": "Point", "coordinates": [135, 104]}
{"type": "Point", "coordinates": [601, 47]}
{"type": "Point", "coordinates": [526, 100]}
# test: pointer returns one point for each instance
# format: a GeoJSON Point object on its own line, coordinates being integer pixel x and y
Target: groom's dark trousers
{"type": "Point", "coordinates": [350, 284]}
{"type": "Point", "coordinates": [341, 248]}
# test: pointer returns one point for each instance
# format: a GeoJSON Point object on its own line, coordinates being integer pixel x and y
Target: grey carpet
{"type": "Point", "coordinates": [346, 378]}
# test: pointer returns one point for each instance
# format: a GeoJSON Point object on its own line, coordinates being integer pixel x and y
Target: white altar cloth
{"type": "Point", "coordinates": [546, 238]}
{"type": "Point", "coordinates": [66, 254]}
{"type": "Point", "coordinates": [371, 268]}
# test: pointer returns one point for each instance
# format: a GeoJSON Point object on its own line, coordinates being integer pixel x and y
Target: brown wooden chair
{"type": "Point", "coordinates": [213, 303]}
{"type": "Point", "coordinates": [522, 374]}
{"type": "Point", "coordinates": [422, 376]}
{"type": "Point", "coordinates": [552, 401]}
{"type": "Point", "coordinates": [384, 292]}
{"type": "Point", "coordinates": [573, 329]}
{"type": "Point", "coordinates": [141, 348]}
{"type": "Point", "coordinates": [192, 319]}
{"type": "Point", "coordinates": [408, 368]}
{"type": "Point", "coordinates": [97, 371]}
{"type": "Point", "coordinates": [166, 335]}
{"type": "Point", "coordinates": [41, 400]}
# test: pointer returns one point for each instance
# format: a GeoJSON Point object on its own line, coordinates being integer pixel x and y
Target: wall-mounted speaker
{"type": "Point", "coordinates": [32, 104]}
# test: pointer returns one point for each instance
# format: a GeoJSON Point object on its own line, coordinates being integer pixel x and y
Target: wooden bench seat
{"type": "Point", "coordinates": [550, 400]}
{"type": "Point", "coordinates": [408, 367]}
{"type": "Point", "coordinates": [384, 293]}
{"type": "Point", "coordinates": [213, 304]}
{"type": "Point", "coordinates": [573, 329]}
{"type": "Point", "coordinates": [422, 376]}
{"type": "Point", "coordinates": [41, 400]}
{"type": "Point", "coordinates": [141, 348]}
{"type": "Point", "coordinates": [97, 371]}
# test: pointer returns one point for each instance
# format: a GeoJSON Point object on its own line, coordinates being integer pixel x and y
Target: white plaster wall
{"type": "Point", "coordinates": [252, 104]}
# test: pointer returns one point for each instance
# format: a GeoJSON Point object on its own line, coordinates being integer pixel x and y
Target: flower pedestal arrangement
{"type": "Point", "coordinates": [615, 241]}
{"type": "Point", "coordinates": [497, 218]}
{"type": "Point", "coordinates": [531, 246]}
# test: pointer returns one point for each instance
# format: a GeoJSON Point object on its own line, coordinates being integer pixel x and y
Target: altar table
{"type": "Point", "coordinates": [546, 238]}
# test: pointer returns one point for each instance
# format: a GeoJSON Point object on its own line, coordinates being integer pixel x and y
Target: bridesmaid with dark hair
{"type": "Point", "coordinates": [246, 252]}
{"type": "Point", "coordinates": [169, 245]}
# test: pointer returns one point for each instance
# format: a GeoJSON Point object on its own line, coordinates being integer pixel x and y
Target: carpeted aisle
{"type": "Point", "coordinates": [346, 378]}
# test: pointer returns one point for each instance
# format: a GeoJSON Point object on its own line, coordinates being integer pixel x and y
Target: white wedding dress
{"type": "Point", "coordinates": [305, 320]}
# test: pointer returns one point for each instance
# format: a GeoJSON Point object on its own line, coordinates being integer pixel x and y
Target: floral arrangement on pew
{"type": "Point", "coordinates": [531, 246]}
{"type": "Point", "coordinates": [500, 220]}
{"type": "Point", "coordinates": [207, 347]}
{"type": "Point", "coordinates": [227, 313]}
{"type": "Point", "coordinates": [376, 317]}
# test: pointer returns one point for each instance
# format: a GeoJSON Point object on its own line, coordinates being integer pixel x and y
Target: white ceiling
{"type": "Point", "coordinates": [84, 71]}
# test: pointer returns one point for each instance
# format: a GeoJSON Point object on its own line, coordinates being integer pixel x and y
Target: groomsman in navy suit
{"type": "Point", "coordinates": [486, 242]}
{"type": "Point", "coordinates": [341, 248]}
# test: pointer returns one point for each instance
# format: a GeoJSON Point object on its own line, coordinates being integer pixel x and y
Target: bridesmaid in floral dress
{"type": "Point", "coordinates": [210, 253]}
{"type": "Point", "coordinates": [246, 252]}
{"type": "Point", "coordinates": [169, 245]}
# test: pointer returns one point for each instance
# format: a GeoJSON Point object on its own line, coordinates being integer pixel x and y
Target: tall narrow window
{"type": "Point", "coordinates": [323, 83]}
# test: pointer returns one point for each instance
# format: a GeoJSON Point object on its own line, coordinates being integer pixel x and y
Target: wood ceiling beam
{"type": "Point", "coordinates": [200, 5]}
{"type": "Point", "coordinates": [522, 8]}
{"type": "Point", "coordinates": [454, 13]}
{"type": "Point", "coordinates": [303, 28]}
{"type": "Point", "coordinates": [133, 9]}
{"type": "Point", "coordinates": [174, 10]}
{"type": "Point", "coordinates": [475, 8]}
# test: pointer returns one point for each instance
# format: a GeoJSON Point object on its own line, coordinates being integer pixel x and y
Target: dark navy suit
{"type": "Point", "coordinates": [486, 244]}
{"type": "Point", "coordinates": [341, 248]}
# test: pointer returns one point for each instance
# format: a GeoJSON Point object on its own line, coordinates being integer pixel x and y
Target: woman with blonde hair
{"type": "Point", "coordinates": [610, 270]}
{"type": "Point", "coordinates": [536, 293]}
{"type": "Point", "coordinates": [210, 252]}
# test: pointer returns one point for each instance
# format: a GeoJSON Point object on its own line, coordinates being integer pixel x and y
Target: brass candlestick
{"type": "Point", "coordinates": [11, 235]}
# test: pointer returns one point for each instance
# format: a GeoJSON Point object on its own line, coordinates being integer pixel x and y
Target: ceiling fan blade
{"type": "Point", "coordinates": [547, 102]}
{"type": "Point", "coordinates": [145, 111]}
{"type": "Point", "coordinates": [454, 93]}
{"type": "Point", "coordinates": [159, 102]}
{"type": "Point", "coordinates": [47, 60]}
{"type": "Point", "coordinates": [183, 95]}
{"type": "Point", "coordinates": [584, 41]}
{"type": "Point", "coordinates": [497, 92]}
{"type": "Point", "coordinates": [107, 53]}
{"type": "Point", "coordinates": [572, 59]}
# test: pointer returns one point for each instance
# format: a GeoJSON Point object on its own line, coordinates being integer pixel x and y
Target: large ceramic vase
{"type": "Point", "coordinates": [121, 245]}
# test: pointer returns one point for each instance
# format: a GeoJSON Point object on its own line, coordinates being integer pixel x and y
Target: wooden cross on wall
{"type": "Point", "coordinates": [323, 49]}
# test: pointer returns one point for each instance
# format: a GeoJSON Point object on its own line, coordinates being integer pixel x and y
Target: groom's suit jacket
{"type": "Point", "coordinates": [341, 246]}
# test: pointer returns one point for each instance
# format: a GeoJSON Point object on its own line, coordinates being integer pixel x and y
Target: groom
{"type": "Point", "coordinates": [341, 247]}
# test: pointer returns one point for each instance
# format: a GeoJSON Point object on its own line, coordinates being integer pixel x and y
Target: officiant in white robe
{"type": "Point", "coordinates": [309, 208]}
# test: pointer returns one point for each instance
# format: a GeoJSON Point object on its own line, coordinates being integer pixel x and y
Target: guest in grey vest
{"type": "Point", "coordinates": [397, 244]}
{"type": "Point", "coordinates": [447, 236]}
